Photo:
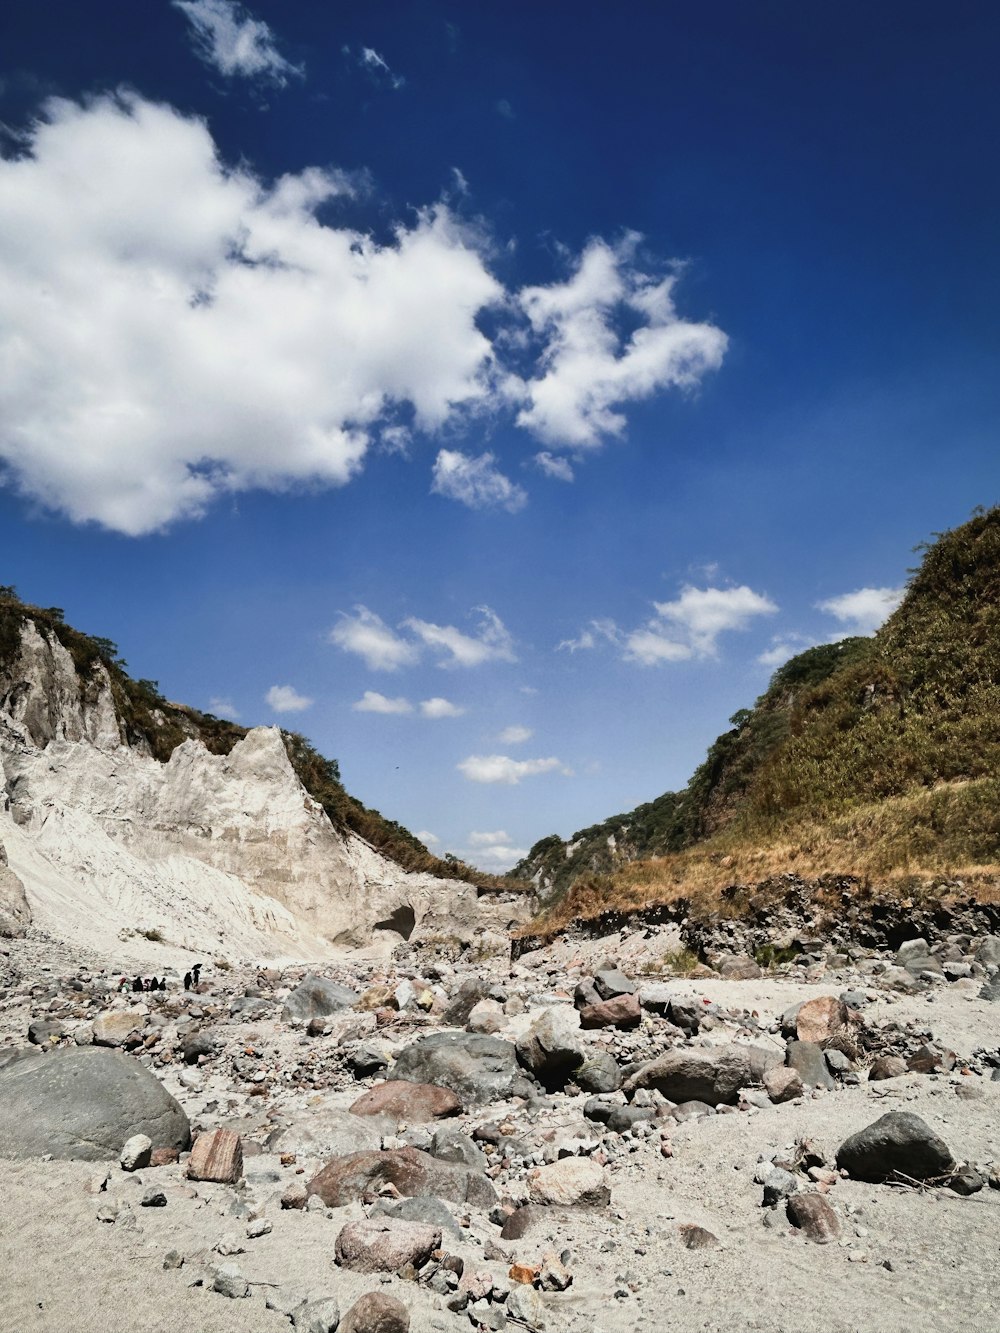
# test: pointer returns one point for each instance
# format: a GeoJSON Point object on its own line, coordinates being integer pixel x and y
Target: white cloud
{"type": "Point", "coordinates": [589, 371]}
{"type": "Point", "coordinates": [376, 65]}
{"type": "Point", "coordinates": [476, 482]}
{"type": "Point", "coordinates": [553, 466]}
{"type": "Point", "coordinates": [428, 839]}
{"type": "Point", "coordinates": [234, 43]}
{"type": "Point", "coordinates": [501, 768]}
{"type": "Point", "coordinates": [783, 646]}
{"type": "Point", "coordinates": [515, 735]}
{"type": "Point", "coordinates": [680, 630]}
{"type": "Point", "coordinates": [438, 707]}
{"type": "Point", "coordinates": [505, 109]}
{"type": "Point", "coordinates": [286, 699]}
{"type": "Point", "coordinates": [370, 638]}
{"type": "Point", "coordinates": [862, 612]}
{"type": "Point", "coordinates": [373, 702]}
{"type": "Point", "coordinates": [492, 644]}
{"type": "Point", "coordinates": [650, 646]}
{"type": "Point", "coordinates": [488, 839]}
{"type": "Point", "coordinates": [223, 708]}
{"type": "Point", "coordinates": [705, 613]}
{"type": "Point", "coordinates": [173, 330]}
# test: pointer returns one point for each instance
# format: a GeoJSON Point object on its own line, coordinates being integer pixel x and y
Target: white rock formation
{"type": "Point", "coordinates": [221, 853]}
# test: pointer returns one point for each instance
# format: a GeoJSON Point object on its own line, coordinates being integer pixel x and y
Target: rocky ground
{"type": "Point", "coordinates": [580, 1140]}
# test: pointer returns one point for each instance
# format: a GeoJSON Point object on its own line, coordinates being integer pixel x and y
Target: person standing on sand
{"type": "Point", "coordinates": [187, 980]}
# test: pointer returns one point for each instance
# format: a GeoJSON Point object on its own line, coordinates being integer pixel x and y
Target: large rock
{"type": "Point", "coordinates": [84, 1103]}
{"type": "Point", "coordinates": [899, 1143]}
{"type": "Point", "coordinates": [610, 981]}
{"type": "Point", "coordinates": [988, 951]}
{"type": "Point", "coordinates": [621, 1011]}
{"type": "Point", "coordinates": [478, 1069]}
{"type": "Point", "coordinates": [385, 1244]}
{"type": "Point", "coordinates": [809, 1062]}
{"type": "Point", "coordinates": [820, 1019]}
{"type": "Point", "coordinates": [552, 1048]}
{"type": "Point", "coordinates": [412, 1103]}
{"type": "Point", "coordinates": [599, 1072]}
{"type": "Point", "coordinates": [574, 1180]}
{"type": "Point", "coordinates": [217, 1155]}
{"type": "Point", "coordinates": [114, 1027]}
{"type": "Point", "coordinates": [317, 997]}
{"type": "Point", "coordinates": [812, 1214]}
{"type": "Point", "coordinates": [408, 1170]}
{"type": "Point", "coordinates": [376, 1312]}
{"type": "Point", "coordinates": [326, 1132]}
{"type": "Point", "coordinates": [705, 1074]}
{"type": "Point", "coordinates": [15, 914]}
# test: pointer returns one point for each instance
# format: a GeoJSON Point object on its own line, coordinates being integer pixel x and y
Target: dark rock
{"type": "Point", "coordinates": [622, 1118]}
{"type": "Point", "coordinates": [552, 1048]}
{"type": "Point", "coordinates": [806, 1058]}
{"type": "Point", "coordinates": [522, 1220]}
{"type": "Point", "coordinates": [478, 1069]}
{"type": "Point", "coordinates": [966, 1181]}
{"type": "Point", "coordinates": [610, 982]}
{"type": "Point", "coordinates": [598, 1073]}
{"type": "Point", "coordinates": [458, 1009]}
{"type": "Point", "coordinates": [43, 1031]}
{"type": "Point", "coordinates": [422, 1208]}
{"type": "Point", "coordinates": [317, 997]}
{"type": "Point", "coordinates": [899, 1143]}
{"type": "Point", "coordinates": [83, 1103]}
{"type": "Point", "coordinates": [697, 1238]}
{"type": "Point", "coordinates": [687, 1015]}
{"type": "Point", "coordinates": [452, 1145]}
{"type": "Point", "coordinates": [194, 1047]}
{"type": "Point", "coordinates": [929, 1060]}
{"type": "Point", "coordinates": [585, 993]}
{"type": "Point", "coordinates": [779, 1184]}
{"type": "Point", "coordinates": [739, 967]}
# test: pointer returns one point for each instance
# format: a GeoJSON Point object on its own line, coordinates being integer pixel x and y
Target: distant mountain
{"type": "Point", "coordinates": [121, 811]}
{"type": "Point", "coordinates": [873, 756]}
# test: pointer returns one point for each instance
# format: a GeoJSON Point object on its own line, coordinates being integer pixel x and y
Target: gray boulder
{"type": "Point", "coordinates": [317, 997]}
{"type": "Point", "coordinates": [705, 1074]}
{"type": "Point", "coordinates": [897, 1143]}
{"type": "Point", "coordinates": [83, 1103]}
{"type": "Point", "coordinates": [610, 982]}
{"type": "Point", "coordinates": [422, 1208]}
{"type": "Point", "coordinates": [476, 1068]}
{"type": "Point", "coordinates": [451, 1145]}
{"type": "Point", "coordinates": [15, 914]}
{"type": "Point", "coordinates": [988, 951]}
{"type": "Point", "coordinates": [552, 1048]}
{"type": "Point", "coordinates": [599, 1072]}
{"type": "Point", "coordinates": [808, 1061]}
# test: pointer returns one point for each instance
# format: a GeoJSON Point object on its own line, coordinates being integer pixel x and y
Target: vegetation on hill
{"type": "Point", "coordinates": [154, 723]}
{"type": "Point", "coordinates": [872, 757]}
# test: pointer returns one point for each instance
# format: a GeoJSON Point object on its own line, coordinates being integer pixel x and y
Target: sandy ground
{"type": "Point", "coordinates": [922, 1261]}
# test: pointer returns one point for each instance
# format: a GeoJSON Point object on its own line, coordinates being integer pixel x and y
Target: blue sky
{"type": "Point", "coordinates": [494, 393]}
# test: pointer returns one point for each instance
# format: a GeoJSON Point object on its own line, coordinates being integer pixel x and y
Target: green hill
{"type": "Point", "coordinates": [873, 757]}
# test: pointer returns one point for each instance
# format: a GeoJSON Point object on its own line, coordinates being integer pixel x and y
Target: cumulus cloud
{"type": "Point", "coordinates": [174, 329]}
{"type": "Point", "coordinates": [231, 41]}
{"type": "Point", "coordinates": [223, 708]}
{"type": "Point", "coordinates": [589, 370]}
{"type": "Point", "coordinates": [373, 702]}
{"type": "Point", "coordinates": [685, 628]}
{"type": "Point", "coordinates": [553, 466]}
{"type": "Point", "coordinates": [368, 636]}
{"type": "Point", "coordinates": [438, 707]}
{"type": "Point", "coordinates": [493, 643]}
{"type": "Point", "coordinates": [515, 735]}
{"type": "Point", "coordinates": [286, 699]}
{"type": "Point", "coordinates": [863, 611]}
{"type": "Point", "coordinates": [493, 850]}
{"type": "Point", "coordinates": [428, 839]}
{"type": "Point", "coordinates": [476, 482]}
{"type": "Point", "coordinates": [488, 839]}
{"type": "Point", "coordinates": [502, 768]}
{"type": "Point", "coordinates": [705, 613]}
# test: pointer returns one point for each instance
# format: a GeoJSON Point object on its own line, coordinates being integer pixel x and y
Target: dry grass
{"type": "Point", "coordinates": [904, 845]}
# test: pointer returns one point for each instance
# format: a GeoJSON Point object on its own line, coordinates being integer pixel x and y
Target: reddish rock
{"type": "Point", "coordinates": [523, 1273]}
{"type": "Point", "coordinates": [409, 1172]}
{"type": "Point", "coordinates": [414, 1103]}
{"type": "Point", "coordinates": [217, 1155]}
{"type": "Point", "coordinates": [164, 1157]}
{"type": "Point", "coordinates": [385, 1244]}
{"type": "Point", "coordinates": [622, 1011]}
{"type": "Point", "coordinates": [782, 1084]}
{"type": "Point", "coordinates": [886, 1066]}
{"type": "Point", "coordinates": [814, 1217]}
{"type": "Point", "coordinates": [820, 1019]}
